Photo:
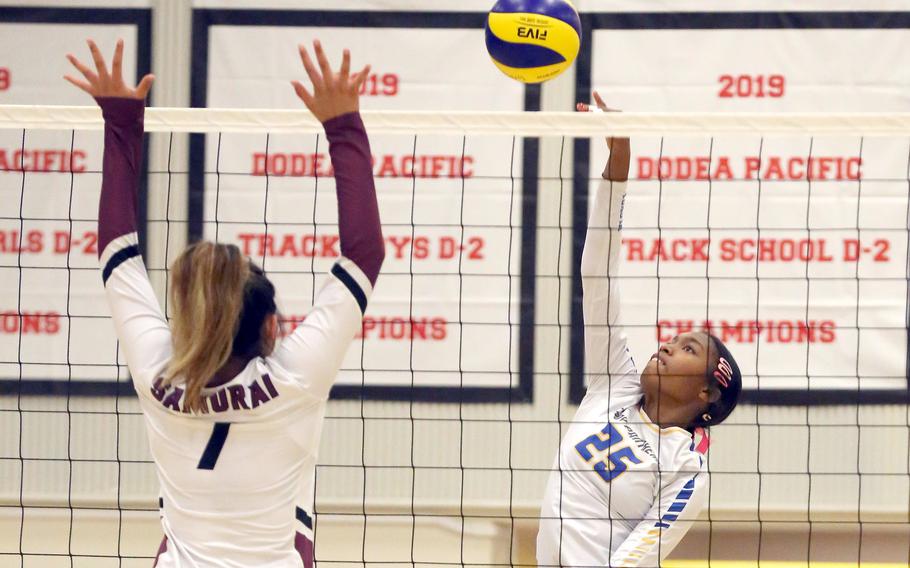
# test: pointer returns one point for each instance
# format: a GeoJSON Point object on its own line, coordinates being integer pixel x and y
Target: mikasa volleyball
{"type": "Point", "coordinates": [533, 40]}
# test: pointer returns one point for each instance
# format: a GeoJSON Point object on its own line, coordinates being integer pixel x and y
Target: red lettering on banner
{"type": "Point", "coordinates": [36, 241]}
{"type": "Point", "coordinates": [400, 328]}
{"type": "Point", "coordinates": [42, 160]}
{"type": "Point", "coordinates": [375, 85]}
{"type": "Point", "coordinates": [757, 86]}
{"type": "Point", "coordinates": [421, 248]}
{"type": "Point", "coordinates": [387, 169]}
{"type": "Point", "coordinates": [47, 323]}
{"type": "Point", "coordinates": [387, 165]}
{"type": "Point", "coordinates": [750, 331]}
{"type": "Point", "coordinates": [755, 250]}
{"type": "Point", "coordinates": [694, 250]}
{"type": "Point", "coordinates": [10, 242]}
{"type": "Point", "coordinates": [398, 245]}
{"type": "Point", "coordinates": [776, 168]}
{"type": "Point", "coordinates": [295, 165]}
{"type": "Point", "coordinates": [752, 165]}
{"type": "Point", "coordinates": [854, 249]}
{"type": "Point", "coordinates": [295, 245]}
{"type": "Point", "coordinates": [685, 168]}
{"type": "Point", "coordinates": [775, 250]}
{"type": "Point", "coordinates": [329, 246]}
{"type": "Point", "coordinates": [5, 78]}
{"type": "Point", "coordinates": [388, 328]}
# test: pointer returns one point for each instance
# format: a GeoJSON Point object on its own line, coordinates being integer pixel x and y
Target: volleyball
{"type": "Point", "coordinates": [533, 40]}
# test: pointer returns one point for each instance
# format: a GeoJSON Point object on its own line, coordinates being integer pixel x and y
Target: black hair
{"type": "Point", "coordinates": [728, 384]}
{"type": "Point", "coordinates": [258, 304]}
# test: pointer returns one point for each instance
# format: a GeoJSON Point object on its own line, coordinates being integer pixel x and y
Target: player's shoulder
{"type": "Point", "coordinates": [689, 459]}
{"type": "Point", "coordinates": [284, 378]}
{"type": "Point", "coordinates": [680, 450]}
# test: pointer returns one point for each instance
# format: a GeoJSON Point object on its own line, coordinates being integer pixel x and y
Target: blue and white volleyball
{"type": "Point", "coordinates": [533, 40]}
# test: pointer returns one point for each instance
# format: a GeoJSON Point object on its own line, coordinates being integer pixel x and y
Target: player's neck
{"type": "Point", "coordinates": [666, 413]}
{"type": "Point", "coordinates": [228, 371]}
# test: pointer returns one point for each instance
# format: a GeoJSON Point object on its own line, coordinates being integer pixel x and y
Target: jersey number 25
{"type": "Point", "coordinates": [613, 464]}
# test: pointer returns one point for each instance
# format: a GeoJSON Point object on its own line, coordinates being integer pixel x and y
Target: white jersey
{"type": "Point", "coordinates": [237, 481]}
{"type": "Point", "coordinates": [623, 491]}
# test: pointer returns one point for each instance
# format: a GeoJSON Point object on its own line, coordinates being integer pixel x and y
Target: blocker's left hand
{"type": "Point", "coordinates": [100, 82]}
{"type": "Point", "coordinates": [334, 94]}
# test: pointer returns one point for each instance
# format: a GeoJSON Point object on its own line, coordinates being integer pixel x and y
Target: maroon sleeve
{"type": "Point", "coordinates": [358, 213]}
{"type": "Point", "coordinates": [123, 129]}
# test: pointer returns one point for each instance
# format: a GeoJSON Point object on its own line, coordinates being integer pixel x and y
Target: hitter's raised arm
{"type": "Point", "coordinates": [607, 359]}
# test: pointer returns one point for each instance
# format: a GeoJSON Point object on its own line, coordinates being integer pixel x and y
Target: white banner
{"type": "Point", "coordinates": [49, 188]}
{"type": "Point", "coordinates": [803, 241]}
{"type": "Point", "coordinates": [445, 310]}
{"type": "Point", "coordinates": [738, 5]}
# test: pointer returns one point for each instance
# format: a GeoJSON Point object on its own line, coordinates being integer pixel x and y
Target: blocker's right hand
{"type": "Point", "coordinates": [334, 94]}
{"type": "Point", "coordinates": [101, 83]}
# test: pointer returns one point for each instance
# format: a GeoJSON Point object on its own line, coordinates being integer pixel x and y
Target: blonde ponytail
{"type": "Point", "coordinates": [206, 294]}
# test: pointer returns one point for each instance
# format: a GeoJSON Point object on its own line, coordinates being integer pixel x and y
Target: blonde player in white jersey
{"type": "Point", "coordinates": [630, 477]}
{"type": "Point", "coordinates": [233, 415]}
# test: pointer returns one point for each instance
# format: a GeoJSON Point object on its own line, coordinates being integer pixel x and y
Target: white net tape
{"type": "Point", "coordinates": [473, 123]}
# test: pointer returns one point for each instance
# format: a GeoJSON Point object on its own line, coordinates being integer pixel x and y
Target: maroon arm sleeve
{"type": "Point", "coordinates": [123, 129]}
{"type": "Point", "coordinates": [358, 212]}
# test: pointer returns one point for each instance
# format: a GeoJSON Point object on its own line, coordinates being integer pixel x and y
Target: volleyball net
{"type": "Point", "coordinates": [784, 235]}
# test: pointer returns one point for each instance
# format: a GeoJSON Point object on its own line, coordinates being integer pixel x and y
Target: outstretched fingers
{"type": "Point", "coordinates": [311, 71]}
{"type": "Point", "coordinates": [357, 80]}
{"type": "Point", "coordinates": [100, 65]}
{"type": "Point", "coordinates": [117, 63]}
{"type": "Point", "coordinates": [144, 86]}
{"type": "Point", "coordinates": [333, 93]}
{"type": "Point", "coordinates": [86, 72]}
{"type": "Point", "coordinates": [100, 83]}
{"type": "Point", "coordinates": [324, 65]}
{"type": "Point", "coordinates": [81, 84]}
{"type": "Point", "coordinates": [601, 104]}
{"type": "Point", "coordinates": [345, 72]}
{"type": "Point", "coordinates": [303, 93]}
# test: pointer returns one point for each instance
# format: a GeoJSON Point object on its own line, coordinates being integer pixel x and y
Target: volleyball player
{"type": "Point", "coordinates": [233, 416]}
{"type": "Point", "coordinates": [629, 477]}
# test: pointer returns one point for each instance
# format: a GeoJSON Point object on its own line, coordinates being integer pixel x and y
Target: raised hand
{"type": "Point", "coordinates": [617, 167]}
{"type": "Point", "coordinates": [334, 94]}
{"type": "Point", "coordinates": [100, 82]}
{"type": "Point", "coordinates": [601, 105]}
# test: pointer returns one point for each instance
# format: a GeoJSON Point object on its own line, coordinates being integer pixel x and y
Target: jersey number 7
{"type": "Point", "coordinates": [214, 446]}
{"type": "Point", "coordinates": [613, 465]}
